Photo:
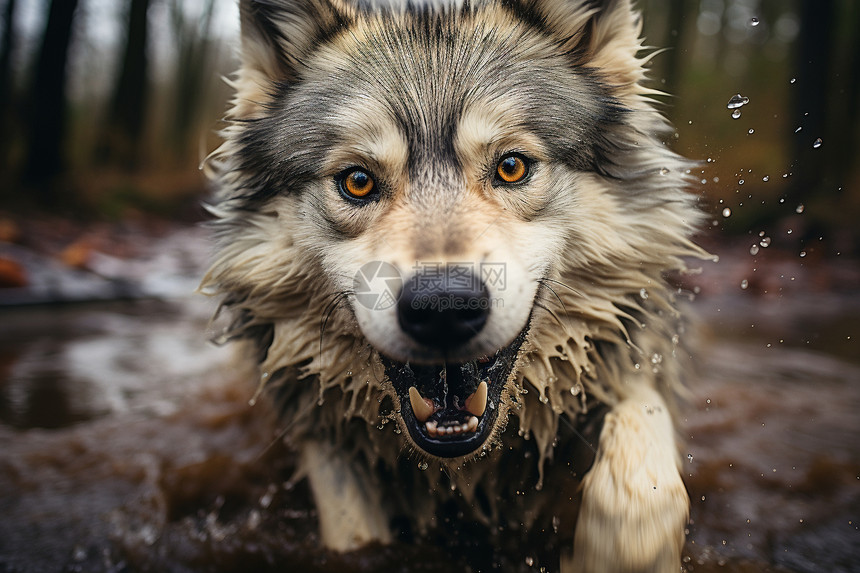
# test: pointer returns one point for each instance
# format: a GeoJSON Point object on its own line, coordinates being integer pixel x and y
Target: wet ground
{"type": "Point", "coordinates": [128, 443]}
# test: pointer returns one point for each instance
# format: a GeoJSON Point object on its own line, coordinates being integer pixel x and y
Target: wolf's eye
{"type": "Point", "coordinates": [512, 168]}
{"type": "Point", "coordinates": [356, 183]}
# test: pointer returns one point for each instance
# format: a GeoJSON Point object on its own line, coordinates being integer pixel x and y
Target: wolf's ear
{"type": "Point", "coordinates": [277, 35]}
{"type": "Point", "coordinates": [603, 34]}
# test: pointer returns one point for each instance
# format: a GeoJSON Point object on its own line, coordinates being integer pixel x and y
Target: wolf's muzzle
{"type": "Point", "coordinates": [443, 308]}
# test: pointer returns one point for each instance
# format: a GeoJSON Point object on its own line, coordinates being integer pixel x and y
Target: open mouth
{"type": "Point", "coordinates": [451, 409]}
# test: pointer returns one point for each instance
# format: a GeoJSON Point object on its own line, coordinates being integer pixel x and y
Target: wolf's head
{"type": "Point", "coordinates": [437, 184]}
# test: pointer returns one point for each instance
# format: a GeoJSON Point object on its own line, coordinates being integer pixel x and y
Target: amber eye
{"type": "Point", "coordinates": [512, 168]}
{"type": "Point", "coordinates": [357, 183]}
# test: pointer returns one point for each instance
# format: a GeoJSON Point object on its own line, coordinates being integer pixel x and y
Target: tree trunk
{"type": "Point", "coordinates": [811, 180]}
{"type": "Point", "coordinates": [7, 93]}
{"type": "Point", "coordinates": [46, 117]}
{"type": "Point", "coordinates": [676, 42]}
{"type": "Point", "coordinates": [191, 64]}
{"type": "Point", "coordinates": [121, 136]}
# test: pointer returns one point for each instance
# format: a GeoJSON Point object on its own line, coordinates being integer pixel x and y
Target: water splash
{"type": "Point", "coordinates": [737, 101]}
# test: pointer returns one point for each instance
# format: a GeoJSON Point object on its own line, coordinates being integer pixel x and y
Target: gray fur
{"type": "Point", "coordinates": [395, 89]}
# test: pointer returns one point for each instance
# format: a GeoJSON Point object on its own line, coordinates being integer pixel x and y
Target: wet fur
{"type": "Point", "coordinates": [607, 219]}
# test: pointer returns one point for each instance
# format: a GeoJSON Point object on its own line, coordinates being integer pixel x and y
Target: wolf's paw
{"type": "Point", "coordinates": [634, 506]}
{"type": "Point", "coordinates": [349, 508]}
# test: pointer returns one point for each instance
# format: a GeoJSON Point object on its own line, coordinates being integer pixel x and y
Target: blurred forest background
{"type": "Point", "coordinates": [108, 106]}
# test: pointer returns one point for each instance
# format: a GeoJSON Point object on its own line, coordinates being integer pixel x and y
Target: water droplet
{"type": "Point", "coordinates": [727, 212]}
{"type": "Point", "coordinates": [737, 101]}
{"type": "Point", "coordinates": [663, 171]}
{"type": "Point", "coordinates": [798, 129]}
{"type": "Point", "coordinates": [792, 80]}
{"type": "Point", "coordinates": [751, 131]}
{"type": "Point", "coordinates": [690, 457]}
{"type": "Point", "coordinates": [741, 182]}
{"type": "Point", "coordinates": [799, 208]}
{"type": "Point", "coordinates": [766, 178]}
{"type": "Point", "coordinates": [530, 561]}
{"type": "Point", "coordinates": [754, 22]}
{"type": "Point", "coordinates": [754, 250]}
{"type": "Point", "coordinates": [736, 114]}
{"type": "Point", "coordinates": [643, 293]}
{"type": "Point", "coordinates": [817, 143]}
{"type": "Point", "coordinates": [656, 358]}
{"type": "Point", "coordinates": [422, 465]}
{"type": "Point", "coordinates": [765, 242]}
{"type": "Point", "coordinates": [745, 284]}
{"type": "Point", "coordinates": [802, 254]}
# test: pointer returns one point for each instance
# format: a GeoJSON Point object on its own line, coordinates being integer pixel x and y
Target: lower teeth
{"type": "Point", "coordinates": [467, 427]}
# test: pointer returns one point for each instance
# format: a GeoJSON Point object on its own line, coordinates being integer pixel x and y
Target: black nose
{"type": "Point", "coordinates": [443, 309]}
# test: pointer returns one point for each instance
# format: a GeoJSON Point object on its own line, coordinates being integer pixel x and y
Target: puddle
{"type": "Point", "coordinates": [69, 364]}
{"type": "Point", "coordinates": [129, 445]}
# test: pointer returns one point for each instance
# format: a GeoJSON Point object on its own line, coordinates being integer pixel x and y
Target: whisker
{"type": "Point", "coordinates": [565, 285]}
{"type": "Point", "coordinates": [551, 312]}
{"type": "Point", "coordinates": [578, 434]}
{"type": "Point", "coordinates": [546, 286]}
{"type": "Point", "coordinates": [282, 433]}
{"type": "Point", "coordinates": [337, 298]}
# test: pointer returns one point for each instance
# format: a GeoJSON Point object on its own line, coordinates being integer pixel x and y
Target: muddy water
{"type": "Point", "coordinates": [128, 445]}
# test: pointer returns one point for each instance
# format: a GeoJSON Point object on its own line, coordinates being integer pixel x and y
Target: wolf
{"type": "Point", "coordinates": [443, 233]}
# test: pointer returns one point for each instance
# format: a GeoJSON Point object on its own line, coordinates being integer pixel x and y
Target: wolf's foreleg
{"type": "Point", "coordinates": [634, 504]}
{"type": "Point", "coordinates": [348, 505]}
